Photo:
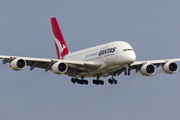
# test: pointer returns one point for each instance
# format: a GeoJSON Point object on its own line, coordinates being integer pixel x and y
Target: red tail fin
{"type": "Point", "coordinates": [60, 43]}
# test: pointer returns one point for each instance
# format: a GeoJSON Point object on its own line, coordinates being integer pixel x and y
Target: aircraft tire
{"type": "Point", "coordinates": [94, 81]}
{"type": "Point", "coordinates": [128, 72]}
{"type": "Point", "coordinates": [110, 81]}
{"type": "Point", "coordinates": [97, 82]}
{"type": "Point", "coordinates": [73, 80]}
{"type": "Point", "coordinates": [125, 73]}
{"type": "Point", "coordinates": [86, 82]}
{"type": "Point", "coordinates": [115, 81]}
{"type": "Point", "coordinates": [101, 82]}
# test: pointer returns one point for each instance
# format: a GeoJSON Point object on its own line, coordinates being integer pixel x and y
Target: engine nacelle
{"type": "Point", "coordinates": [59, 68]}
{"type": "Point", "coordinates": [147, 69]}
{"type": "Point", "coordinates": [170, 67]}
{"type": "Point", "coordinates": [18, 64]}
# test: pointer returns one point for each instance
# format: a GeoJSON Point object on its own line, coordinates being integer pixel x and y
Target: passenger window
{"type": "Point", "coordinates": [128, 50]}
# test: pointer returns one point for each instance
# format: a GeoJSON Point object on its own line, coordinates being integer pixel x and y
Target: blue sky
{"type": "Point", "coordinates": [151, 27]}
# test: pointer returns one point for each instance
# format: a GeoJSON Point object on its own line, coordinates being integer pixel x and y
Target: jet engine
{"type": "Point", "coordinates": [147, 69]}
{"type": "Point", "coordinates": [18, 64]}
{"type": "Point", "coordinates": [59, 68]}
{"type": "Point", "coordinates": [170, 67]}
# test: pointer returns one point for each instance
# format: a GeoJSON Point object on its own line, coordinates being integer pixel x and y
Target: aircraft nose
{"type": "Point", "coordinates": [131, 57]}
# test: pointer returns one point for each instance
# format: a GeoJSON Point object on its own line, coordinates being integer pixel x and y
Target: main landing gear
{"type": "Point", "coordinates": [95, 81]}
{"type": "Point", "coordinates": [82, 81]}
{"type": "Point", "coordinates": [98, 82]}
{"type": "Point", "coordinates": [112, 80]}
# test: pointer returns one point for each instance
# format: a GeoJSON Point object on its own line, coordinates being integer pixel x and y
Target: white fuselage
{"type": "Point", "coordinates": [112, 56]}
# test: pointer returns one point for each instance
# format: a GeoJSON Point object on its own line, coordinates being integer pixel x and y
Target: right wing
{"type": "Point", "coordinates": [169, 66]}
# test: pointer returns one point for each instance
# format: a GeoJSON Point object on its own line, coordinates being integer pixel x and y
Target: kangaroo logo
{"type": "Point", "coordinates": [60, 47]}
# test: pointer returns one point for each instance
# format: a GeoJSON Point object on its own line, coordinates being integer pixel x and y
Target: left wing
{"type": "Point", "coordinates": [55, 65]}
{"type": "Point", "coordinates": [147, 68]}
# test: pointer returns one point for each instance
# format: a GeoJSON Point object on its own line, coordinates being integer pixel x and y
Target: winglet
{"type": "Point", "coordinates": [60, 43]}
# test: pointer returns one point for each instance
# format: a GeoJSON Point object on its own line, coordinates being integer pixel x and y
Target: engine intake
{"type": "Point", "coordinates": [18, 64]}
{"type": "Point", "coordinates": [59, 68]}
{"type": "Point", "coordinates": [170, 67]}
{"type": "Point", "coordinates": [147, 69]}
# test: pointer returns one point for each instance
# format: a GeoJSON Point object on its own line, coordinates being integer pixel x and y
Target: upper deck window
{"type": "Point", "coordinates": [128, 50]}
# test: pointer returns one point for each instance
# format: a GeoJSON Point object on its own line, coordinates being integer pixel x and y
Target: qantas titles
{"type": "Point", "coordinates": [102, 52]}
{"type": "Point", "coordinates": [106, 51]}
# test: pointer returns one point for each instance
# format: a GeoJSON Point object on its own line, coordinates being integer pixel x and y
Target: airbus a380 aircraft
{"type": "Point", "coordinates": [109, 59]}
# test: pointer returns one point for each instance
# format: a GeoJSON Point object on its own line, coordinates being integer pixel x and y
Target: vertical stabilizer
{"type": "Point", "coordinates": [60, 43]}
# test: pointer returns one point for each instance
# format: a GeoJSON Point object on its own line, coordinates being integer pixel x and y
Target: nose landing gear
{"type": "Point", "coordinates": [127, 71]}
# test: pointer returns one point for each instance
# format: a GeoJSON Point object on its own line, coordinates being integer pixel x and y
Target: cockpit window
{"type": "Point", "coordinates": [128, 50]}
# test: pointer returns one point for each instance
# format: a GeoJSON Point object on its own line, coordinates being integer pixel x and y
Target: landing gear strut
{"type": "Point", "coordinates": [97, 82]}
{"type": "Point", "coordinates": [127, 71]}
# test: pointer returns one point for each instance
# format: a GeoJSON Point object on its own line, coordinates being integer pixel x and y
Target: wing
{"type": "Point", "coordinates": [138, 64]}
{"type": "Point", "coordinates": [48, 63]}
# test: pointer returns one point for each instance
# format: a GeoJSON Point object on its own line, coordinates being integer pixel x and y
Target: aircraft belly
{"type": "Point", "coordinates": [101, 72]}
